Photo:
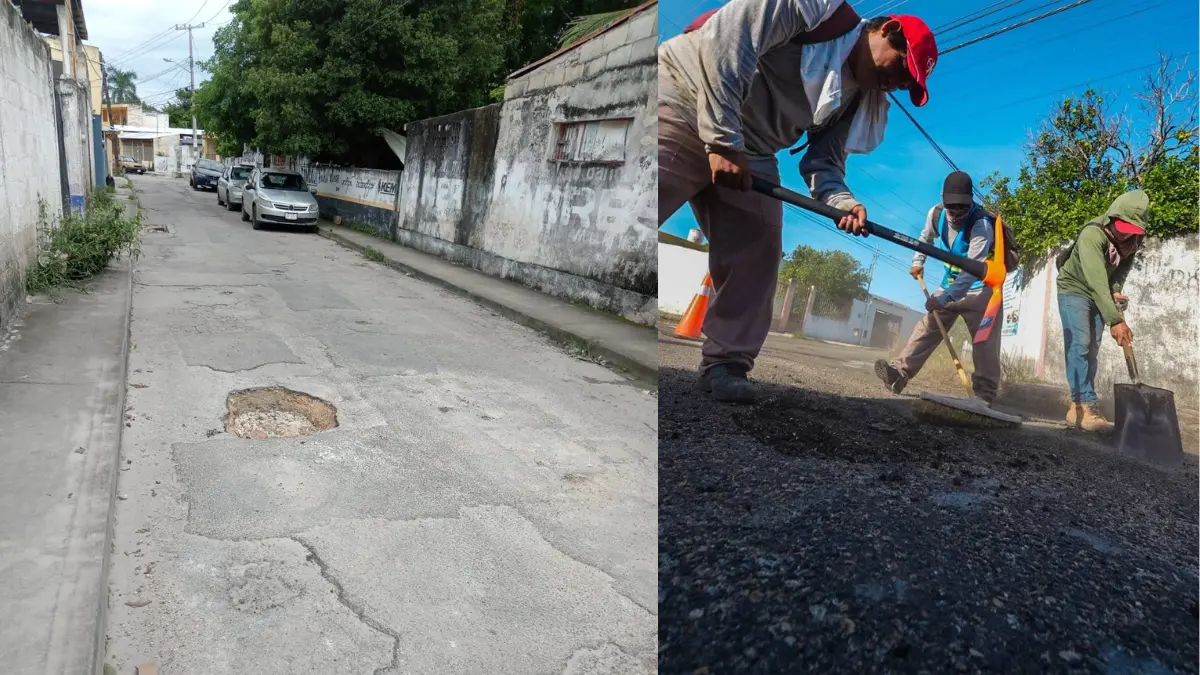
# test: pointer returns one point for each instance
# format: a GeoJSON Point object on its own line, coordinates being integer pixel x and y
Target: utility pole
{"type": "Point", "coordinates": [862, 332]}
{"type": "Point", "coordinates": [112, 123]}
{"type": "Point", "coordinates": [192, 70]}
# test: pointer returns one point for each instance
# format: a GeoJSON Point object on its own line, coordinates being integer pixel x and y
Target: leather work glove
{"type": "Point", "coordinates": [917, 271]}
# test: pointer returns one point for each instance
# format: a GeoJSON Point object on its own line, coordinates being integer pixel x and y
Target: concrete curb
{"type": "Point", "coordinates": [640, 371]}
{"type": "Point", "coordinates": [113, 481]}
{"type": "Point", "coordinates": [110, 516]}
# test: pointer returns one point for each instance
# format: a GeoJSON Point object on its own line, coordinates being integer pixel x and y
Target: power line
{"type": "Point", "coordinates": [399, 5]}
{"type": "Point", "coordinates": [976, 15]}
{"type": "Point", "coordinates": [125, 60]}
{"type": "Point", "coordinates": [969, 30]}
{"type": "Point", "coordinates": [214, 16]}
{"type": "Point", "coordinates": [1014, 26]}
{"type": "Point", "coordinates": [1081, 84]}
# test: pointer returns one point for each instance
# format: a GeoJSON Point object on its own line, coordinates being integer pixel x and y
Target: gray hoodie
{"type": "Point", "coordinates": [737, 81]}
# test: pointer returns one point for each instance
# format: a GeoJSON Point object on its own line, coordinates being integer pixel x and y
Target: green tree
{"type": "Point", "coordinates": [180, 110]}
{"type": "Point", "coordinates": [1086, 155]}
{"type": "Point", "coordinates": [323, 78]}
{"type": "Point", "coordinates": [122, 85]}
{"type": "Point", "coordinates": [838, 277]}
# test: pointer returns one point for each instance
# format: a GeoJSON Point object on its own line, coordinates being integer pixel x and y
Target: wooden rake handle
{"type": "Point", "coordinates": [962, 373]}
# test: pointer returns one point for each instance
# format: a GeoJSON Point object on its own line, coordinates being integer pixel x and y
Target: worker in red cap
{"type": "Point", "coordinates": [1091, 273]}
{"type": "Point", "coordinates": [738, 86]}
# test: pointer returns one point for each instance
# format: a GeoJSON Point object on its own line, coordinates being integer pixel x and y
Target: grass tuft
{"type": "Point", "coordinates": [77, 247]}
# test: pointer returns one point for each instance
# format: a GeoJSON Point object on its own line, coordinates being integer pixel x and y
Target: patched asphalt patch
{"type": "Point", "coordinates": [822, 533]}
{"type": "Point", "coordinates": [800, 423]}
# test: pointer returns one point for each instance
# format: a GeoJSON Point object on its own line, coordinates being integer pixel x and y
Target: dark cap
{"type": "Point", "coordinates": [957, 189]}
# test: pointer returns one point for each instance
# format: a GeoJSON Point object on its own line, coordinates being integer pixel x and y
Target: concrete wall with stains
{"type": "Point", "coordinates": [359, 196]}
{"type": "Point", "coordinates": [77, 140]}
{"type": "Point", "coordinates": [1163, 314]}
{"type": "Point", "coordinates": [29, 153]}
{"type": "Point", "coordinates": [494, 188]}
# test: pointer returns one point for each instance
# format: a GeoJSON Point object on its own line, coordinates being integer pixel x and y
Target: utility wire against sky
{"type": "Point", "coordinates": [966, 31]}
{"type": "Point", "coordinates": [1014, 26]}
{"type": "Point", "coordinates": [976, 15]}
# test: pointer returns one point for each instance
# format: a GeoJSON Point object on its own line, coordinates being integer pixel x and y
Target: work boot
{"type": "Point", "coordinates": [1073, 414]}
{"type": "Point", "coordinates": [1090, 419]}
{"type": "Point", "coordinates": [892, 378]}
{"type": "Point", "coordinates": [728, 383]}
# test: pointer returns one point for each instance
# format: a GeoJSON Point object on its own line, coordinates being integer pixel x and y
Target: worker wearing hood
{"type": "Point", "coordinates": [1091, 274]}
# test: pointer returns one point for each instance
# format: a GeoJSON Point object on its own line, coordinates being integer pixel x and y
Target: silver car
{"type": "Point", "coordinates": [278, 197]}
{"type": "Point", "coordinates": [230, 185]}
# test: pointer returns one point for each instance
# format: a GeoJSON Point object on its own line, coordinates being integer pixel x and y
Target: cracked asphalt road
{"type": "Point", "coordinates": [822, 531]}
{"type": "Point", "coordinates": [487, 503]}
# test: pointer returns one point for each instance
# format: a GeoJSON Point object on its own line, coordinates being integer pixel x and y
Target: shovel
{"type": "Point", "coordinates": [1147, 427]}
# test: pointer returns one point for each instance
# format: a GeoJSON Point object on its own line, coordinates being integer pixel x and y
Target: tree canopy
{"type": "Point", "coordinates": [838, 277]}
{"type": "Point", "coordinates": [323, 78]}
{"type": "Point", "coordinates": [1087, 154]}
{"type": "Point", "coordinates": [180, 109]}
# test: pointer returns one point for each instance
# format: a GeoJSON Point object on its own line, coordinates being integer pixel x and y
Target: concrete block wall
{"type": "Point", "coordinates": [29, 165]}
{"type": "Point", "coordinates": [483, 187]}
{"type": "Point", "coordinates": [77, 139]}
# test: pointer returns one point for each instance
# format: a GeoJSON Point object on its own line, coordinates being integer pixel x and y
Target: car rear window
{"type": "Point", "coordinates": [283, 181]}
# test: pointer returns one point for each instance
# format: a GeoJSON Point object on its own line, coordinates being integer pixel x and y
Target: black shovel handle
{"type": "Point", "coordinates": [975, 268]}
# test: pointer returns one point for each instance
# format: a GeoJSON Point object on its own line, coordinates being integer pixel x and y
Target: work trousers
{"type": "Point", "coordinates": [927, 337]}
{"type": "Point", "coordinates": [1083, 327]}
{"type": "Point", "coordinates": [744, 231]}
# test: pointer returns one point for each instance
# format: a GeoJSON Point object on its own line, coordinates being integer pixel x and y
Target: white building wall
{"type": "Point", "coordinates": [1164, 314]}
{"type": "Point", "coordinates": [680, 273]}
{"type": "Point", "coordinates": [29, 166]}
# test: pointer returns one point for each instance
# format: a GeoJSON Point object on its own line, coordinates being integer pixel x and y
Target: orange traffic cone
{"type": "Point", "coordinates": [693, 319]}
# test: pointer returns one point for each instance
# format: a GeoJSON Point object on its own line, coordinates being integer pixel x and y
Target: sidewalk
{"type": "Point", "coordinates": [62, 390]}
{"type": "Point", "coordinates": [630, 347]}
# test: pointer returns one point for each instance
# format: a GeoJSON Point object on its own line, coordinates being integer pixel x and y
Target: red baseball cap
{"type": "Point", "coordinates": [1126, 227]}
{"type": "Point", "coordinates": [922, 54]}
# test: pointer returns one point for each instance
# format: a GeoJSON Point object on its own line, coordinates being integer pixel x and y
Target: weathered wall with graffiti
{"type": "Point", "coordinates": [556, 187]}
{"type": "Point", "coordinates": [359, 196]}
{"type": "Point", "coordinates": [1163, 314]}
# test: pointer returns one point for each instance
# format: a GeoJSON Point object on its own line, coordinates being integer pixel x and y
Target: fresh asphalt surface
{"type": "Point", "coordinates": [486, 504]}
{"type": "Point", "coordinates": [822, 531]}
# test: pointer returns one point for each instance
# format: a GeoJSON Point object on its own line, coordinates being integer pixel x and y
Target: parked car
{"type": "Point", "coordinates": [130, 165]}
{"type": "Point", "coordinates": [279, 197]}
{"type": "Point", "coordinates": [230, 186]}
{"type": "Point", "coordinates": [205, 173]}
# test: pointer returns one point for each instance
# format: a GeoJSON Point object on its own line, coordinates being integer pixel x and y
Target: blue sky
{"type": "Point", "coordinates": [985, 100]}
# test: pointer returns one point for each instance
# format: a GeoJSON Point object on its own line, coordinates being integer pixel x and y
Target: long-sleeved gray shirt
{"type": "Point", "coordinates": [737, 80]}
{"type": "Point", "coordinates": [982, 236]}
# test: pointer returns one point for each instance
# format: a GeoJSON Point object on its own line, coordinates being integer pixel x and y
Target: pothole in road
{"type": "Point", "coordinates": [277, 412]}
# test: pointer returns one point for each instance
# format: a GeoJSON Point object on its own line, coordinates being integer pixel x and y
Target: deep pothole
{"type": "Point", "coordinates": [277, 412]}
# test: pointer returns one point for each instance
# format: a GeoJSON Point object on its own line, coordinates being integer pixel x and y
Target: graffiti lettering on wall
{"type": "Point", "coordinates": [598, 207]}
{"type": "Point", "coordinates": [1012, 304]}
{"type": "Point", "coordinates": [1179, 280]}
{"type": "Point", "coordinates": [369, 187]}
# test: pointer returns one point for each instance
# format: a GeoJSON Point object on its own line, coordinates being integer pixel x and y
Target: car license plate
{"type": "Point", "coordinates": [289, 216]}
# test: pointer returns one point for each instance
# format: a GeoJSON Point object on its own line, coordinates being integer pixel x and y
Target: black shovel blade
{"type": "Point", "coordinates": [1146, 426]}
